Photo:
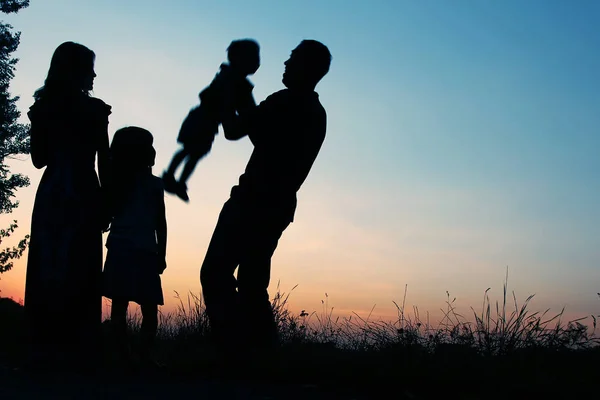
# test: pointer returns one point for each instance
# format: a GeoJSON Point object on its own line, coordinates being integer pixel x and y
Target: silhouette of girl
{"type": "Point", "coordinates": [137, 241]}
{"type": "Point", "coordinates": [69, 128]}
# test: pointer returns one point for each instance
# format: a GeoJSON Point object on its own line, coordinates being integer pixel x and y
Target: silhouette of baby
{"type": "Point", "coordinates": [230, 89]}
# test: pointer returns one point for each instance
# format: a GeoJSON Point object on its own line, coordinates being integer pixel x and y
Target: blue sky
{"type": "Point", "coordinates": [462, 138]}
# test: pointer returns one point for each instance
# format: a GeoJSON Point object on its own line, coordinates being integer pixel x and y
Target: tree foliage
{"type": "Point", "coordinates": [14, 136]}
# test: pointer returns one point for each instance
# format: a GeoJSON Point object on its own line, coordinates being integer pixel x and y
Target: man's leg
{"type": "Point", "coordinates": [217, 279]}
{"type": "Point", "coordinates": [253, 279]}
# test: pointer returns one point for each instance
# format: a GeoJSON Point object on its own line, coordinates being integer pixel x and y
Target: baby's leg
{"type": "Point", "coordinates": [149, 327]}
{"type": "Point", "coordinates": [189, 167]}
{"type": "Point", "coordinates": [176, 160]}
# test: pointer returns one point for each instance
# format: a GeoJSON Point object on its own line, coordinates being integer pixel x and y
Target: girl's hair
{"type": "Point", "coordinates": [68, 68]}
{"type": "Point", "coordinates": [131, 156]}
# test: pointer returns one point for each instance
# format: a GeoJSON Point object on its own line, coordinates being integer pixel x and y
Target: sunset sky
{"type": "Point", "coordinates": [463, 138]}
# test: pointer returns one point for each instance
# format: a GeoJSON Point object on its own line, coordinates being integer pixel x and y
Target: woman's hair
{"type": "Point", "coordinates": [131, 156]}
{"type": "Point", "coordinates": [70, 64]}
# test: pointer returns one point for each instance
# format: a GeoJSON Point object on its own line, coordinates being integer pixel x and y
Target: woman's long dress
{"type": "Point", "coordinates": [63, 300]}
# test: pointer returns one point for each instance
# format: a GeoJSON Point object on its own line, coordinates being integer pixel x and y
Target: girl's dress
{"type": "Point", "coordinates": [131, 268]}
{"type": "Point", "coordinates": [63, 300]}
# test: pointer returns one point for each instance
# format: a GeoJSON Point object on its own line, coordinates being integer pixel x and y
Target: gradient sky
{"type": "Point", "coordinates": [462, 139]}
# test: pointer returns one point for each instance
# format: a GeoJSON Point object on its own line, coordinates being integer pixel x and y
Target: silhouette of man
{"type": "Point", "coordinates": [287, 130]}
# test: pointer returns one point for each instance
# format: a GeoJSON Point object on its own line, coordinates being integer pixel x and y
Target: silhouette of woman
{"type": "Point", "coordinates": [63, 300]}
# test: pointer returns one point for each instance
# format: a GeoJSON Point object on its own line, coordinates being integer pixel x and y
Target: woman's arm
{"type": "Point", "coordinates": [38, 136]}
{"type": "Point", "coordinates": [102, 111]}
{"type": "Point", "coordinates": [104, 168]}
{"type": "Point", "coordinates": [104, 158]}
{"type": "Point", "coordinates": [104, 175]}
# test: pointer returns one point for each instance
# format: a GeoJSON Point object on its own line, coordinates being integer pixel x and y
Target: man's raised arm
{"type": "Point", "coordinates": [237, 125]}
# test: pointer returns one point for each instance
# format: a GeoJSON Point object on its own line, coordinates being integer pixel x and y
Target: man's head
{"type": "Point", "coordinates": [244, 55]}
{"type": "Point", "coordinates": [308, 63]}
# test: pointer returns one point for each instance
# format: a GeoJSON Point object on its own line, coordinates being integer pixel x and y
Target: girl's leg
{"type": "Point", "coordinates": [148, 330]}
{"type": "Point", "coordinates": [118, 322]}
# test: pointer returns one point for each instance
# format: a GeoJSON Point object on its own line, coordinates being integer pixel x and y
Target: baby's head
{"type": "Point", "coordinates": [244, 56]}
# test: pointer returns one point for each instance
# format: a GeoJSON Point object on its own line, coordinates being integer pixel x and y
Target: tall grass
{"type": "Point", "coordinates": [496, 329]}
{"type": "Point", "coordinates": [499, 349]}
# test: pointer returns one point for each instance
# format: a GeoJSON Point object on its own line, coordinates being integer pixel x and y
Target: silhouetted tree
{"type": "Point", "coordinates": [14, 137]}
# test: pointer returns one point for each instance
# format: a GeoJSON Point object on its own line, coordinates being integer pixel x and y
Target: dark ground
{"type": "Point", "coordinates": [14, 385]}
{"type": "Point", "coordinates": [313, 371]}
{"type": "Point", "coordinates": [483, 381]}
